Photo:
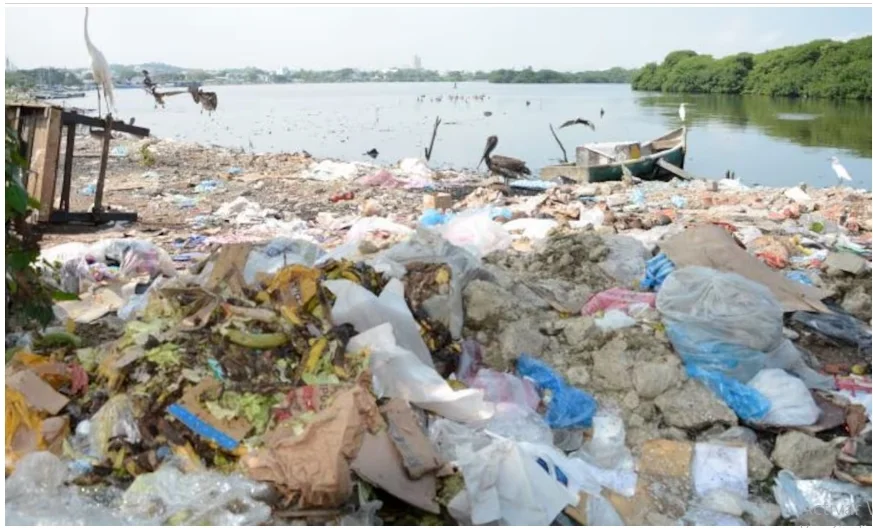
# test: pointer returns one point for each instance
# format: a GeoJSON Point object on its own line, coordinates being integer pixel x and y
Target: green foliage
{"type": "Point", "coordinates": [147, 159]}
{"type": "Point", "coordinates": [531, 76]}
{"type": "Point", "coordinates": [28, 298]}
{"type": "Point", "coordinates": [821, 68]}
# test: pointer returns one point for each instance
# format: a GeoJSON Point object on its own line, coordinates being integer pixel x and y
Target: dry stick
{"type": "Point", "coordinates": [559, 142]}
{"type": "Point", "coordinates": [428, 151]}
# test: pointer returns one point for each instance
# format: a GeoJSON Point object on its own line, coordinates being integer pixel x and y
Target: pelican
{"type": "Point", "coordinates": [602, 111]}
{"type": "Point", "coordinates": [840, 171]}
{"type": "Point", "coordinates": [509, 168]}
{"type": "Point", "coordinates": [578, 121]}
{"type": "Point", "coordinates": [373, 153]}
{"type": "Point", "coordinates": [682, 112]}
{"type": "Point", "coordinates": [208, 100]}
{"type": "Point", "coordinates": [101, 72]}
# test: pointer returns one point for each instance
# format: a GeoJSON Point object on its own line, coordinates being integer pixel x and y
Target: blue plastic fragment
{"type": "Point", "coordinates": [217, 371]}
{"type": "Point", "coordinates": [569, 407]}
{"type": "Point", "coordinates": [748, 403]}
{"type": "Point", "coordinates": [202, 428]}
{"type": "Point", "coordinates": [799, 276]}
{"type": "Point", "coordinates": [658, 268]}
{"type": "Point", "coordinates": [562, 478]}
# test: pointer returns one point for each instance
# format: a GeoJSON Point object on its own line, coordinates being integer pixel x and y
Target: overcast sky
{"type": "Point", "coordinates": [448, 37]}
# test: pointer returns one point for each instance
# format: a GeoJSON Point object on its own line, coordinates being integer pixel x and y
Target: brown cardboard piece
{"type": "Point", "coordinates": [237, 428]}
{"type": "Point", "coordinates": [848, 262]}
{"type": "Point", "coordinates": [437, 201]}
{"type": "Point", "coordinates": [312, 468]}
{"type": "Point", "coordinates": [91, 305]}
{"type": "Point", "coordinates": [379, 463]}
{"type": "Point", "coordinates": [415, 449]}
{"type": "Point", "coordinates": [38, 394]}
{"type": "Point", "coordinates": [713, 247]}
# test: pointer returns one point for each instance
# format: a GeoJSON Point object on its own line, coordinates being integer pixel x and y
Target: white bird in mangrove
{"type": "Point", "coordinates": [682, 112]}
{"type": "Point", "coordinates": [839, 170]}
{"type": "Point", "coordinates": [100, 70]}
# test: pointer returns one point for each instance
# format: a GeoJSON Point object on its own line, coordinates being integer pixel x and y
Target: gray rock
{"type": "Point", "coordinates": [578, 375]}
{"type": "Point", "coordinates": [486, 304]}
{"type": "Point", "coordinates": [811, 518]}
{"type": "Point", "coordinates": [651, 379]}
{"type": "Point", "coordinates": [693, 406]}
{"type": "Point", "coordinates": [521, 337]}
{"type": "Point", "coordinates": [807, 457]}
{"type": "Point", "coordinates": [763, 513]}
{"type": "Point", "coordinates": [577, 330]}
{"type": "Point", "coordinates": [612, 369]}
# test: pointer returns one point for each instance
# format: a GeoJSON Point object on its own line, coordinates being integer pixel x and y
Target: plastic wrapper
{"type": "Point", "coordinates": [369, 224]}
{"type": "Point", "coordinates": [135, 257]}
{"type": "Point", "coordinates": [365, 516]}
{"type": "Point", "coordinates": [791, 403]}
{"type": "Point", "coordinates": [115, 419]}
{"type": "Point", "coordinates": [658, 268]}
{"type": "Point", "coordinates": [601, 512]}
{"type": "Point", "coordinates": [568, 407]}
{"type": "Point", "coordinates": [277, 254]}
{"type": "Point", "coordinates": [476, 232]}
{"type": "Point", "coordinates": [748, 403]}
{"type": "Point", "coordinates": [614, 320]}
{"type": "Point", "coordinates": [500, 387]}
{"type": "Point", "coordinates": [519, 423]}
{"type": "Point", "coordinates": [839, 499]}
{"type": "Point", "coordinates": [617, 299]}
{"type": "Point", "coordinates": [626, 261]}
{"type": "Point", "coordinates": [839, 326]}
{"type": "Point", "coordinates": [606, 448]}
{"type": "Point", "coordinates": [531, 228]}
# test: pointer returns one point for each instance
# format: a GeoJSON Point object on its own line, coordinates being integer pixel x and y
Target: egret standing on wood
{"type": "Point", "coordinates": [100, 70]}
{"type": "Point", "coordinates": [502, 165]}
{"type": "Point", "coordinates": [682, 112]}
{"type": "Point", "coordinates": [839, 170]}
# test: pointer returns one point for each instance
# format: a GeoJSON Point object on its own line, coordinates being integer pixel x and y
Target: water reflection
{"type": "Point", "coordinates": [807, 122]}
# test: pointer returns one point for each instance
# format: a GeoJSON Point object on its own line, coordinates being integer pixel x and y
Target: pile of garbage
{"type": "Point", "coordinates": [607, 354]}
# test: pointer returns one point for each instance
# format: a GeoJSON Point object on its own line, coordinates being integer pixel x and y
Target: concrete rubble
{"type": "Point", "coordinates": [478, 316]}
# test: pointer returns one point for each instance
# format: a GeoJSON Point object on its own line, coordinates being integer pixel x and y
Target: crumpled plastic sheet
{"type": "Point", "coordinates": [36, 494]}
{"type": "Point", "coordinates": [476, 232]}
{"type": "Point", "coordinates": [368, 224]}
{"type": "Point", "coordinates": [839, 499]}
{"type": "Point", "coordinates": [399, 373]}
{"type": "Point", "coordinates": [791, 403]}
{"type": "Point", "coordinates": [614, 320]}
{"type": "Point", "coordinates": [626, 260]}
{"type": "Point", "coordinates": [838, 326]}
{"type": "Point", "coordinates": [501, 387]}
{"type": "Point", "coordinates": [569, 407]}
{"type": "Point", "coordinates": [607, 448]}
{"type": "Point", "coordinates": [617, 299]}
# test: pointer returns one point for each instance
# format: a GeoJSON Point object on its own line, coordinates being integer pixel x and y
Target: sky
{"type": "Point", "coordinates": [445, 37]}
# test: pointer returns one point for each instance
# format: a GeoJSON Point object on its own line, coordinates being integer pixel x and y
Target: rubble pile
{"type": "Point", "coordinates": [612, 354]}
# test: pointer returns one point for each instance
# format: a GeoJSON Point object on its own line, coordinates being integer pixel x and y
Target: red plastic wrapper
{"type": "Point", "coordinates": [617, 299]}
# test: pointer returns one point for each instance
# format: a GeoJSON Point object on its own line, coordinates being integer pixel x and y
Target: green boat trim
{"type": "Point", "coordinates": [597, 162]}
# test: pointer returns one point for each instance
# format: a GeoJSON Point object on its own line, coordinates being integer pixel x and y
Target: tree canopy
{"type": "Point", "coordinates": [821, 68]}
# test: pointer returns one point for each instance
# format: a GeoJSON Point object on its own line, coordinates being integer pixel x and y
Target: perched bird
{"type": "Point", "coordinates": [730, 175]}
{"type": "Point", "coordinates": [373, 153]}
{"type": "Point", "coordinates": [840, 171]}
{"type": "Point", "coordinates": [509, 168]}
{"type": "Point", "coordinates": [682, 112]}
{"type": "Point", "coordinates": [100, 70]}
{"type": "Point", "coordinates": [488, 114]}
{"type": "Point", "coordinates": [207, 100]}
{"type": "Point", "coordinates": [578, 121]}
{"type": "Point", "coordinates": [602, 111]}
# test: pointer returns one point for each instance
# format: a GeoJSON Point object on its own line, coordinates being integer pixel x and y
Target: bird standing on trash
{"type": "Point", "coordinates": [840, 171]}
{"type": "Point", "coordinates": [100, 70]}
{"type": "Point", "coordinates": [682, 112]}
{"type": "Point", "coordinates": [508, 168]}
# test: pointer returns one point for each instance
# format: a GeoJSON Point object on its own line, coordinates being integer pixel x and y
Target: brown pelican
{"type": "Point", "coordinates": [578, 121]}
{"type": "Point", "coordinates": [208, 100]}
{"type": "Point", "coordinates": [509, 168]}
{"type": "Point", "coordinates": [373, 153]}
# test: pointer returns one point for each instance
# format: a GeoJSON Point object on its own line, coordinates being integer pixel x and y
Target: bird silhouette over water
{"type": "Point", "coordinates": [602, 111]}
{"type": "Point", "coordinates": [508, 168]}
{"type": "Point", "coordinates": [527, 103]}
{"type": "Point", "coordinates": [373, 153]}
{"type": "Point", "coordinates": [578, 121]}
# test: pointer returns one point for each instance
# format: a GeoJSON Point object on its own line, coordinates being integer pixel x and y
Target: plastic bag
{"type": "Point", "coordinates": [470, 361]}
{"type": "Point", "coordinates": [721, 321]}
{"type": "Point", "coordinates": [531, 228]}
{"type": "Point", "coordinates": [358, 306]}
{"type": "Point", "coordinates": [617, 299]}
{"type": "Point", "coordinates": [607, 449]}
{"type": "Point", "coordinates": [839, 499]}
{"type": "Point", "coordinates": [568, 407]}
{"type": "Point", "coordinates": [839, 326]}
{"type": "Point", "coordinates": [365, 516]}
{"type": "Point", "coordinates": [791, 403]}
{"type": "Point", "coordinates": [601, 512]}
{"type": "Point", "coordinates": [748, 403]}
{"type": "Point", "coordinates": [368, 224]}
{"type": "Point", "coordinates": [399, 373]}
{"type": "Point", "coordinates": [279, 253]}
{"type": "Point", "coordinates": [476, 232]}
{"type": "Point", "coordinates": [614, 320]}
{"type": "Point", "coordinates": [500, 387]}
{"type": "Point", "coordinates": [800, 276]}
{"type": "Point", "coordinates": [626, 261]}
{"type": "Point", "coordinates": [519, 423]}
{"type": "Point", "coordinates": [658, 268]}
{"type": "Point", "coordinates": [590, 217]}
{"type": "Point", "coordinates": [432, 217]}
{"type": "Point", "coordinates": [115, 419]}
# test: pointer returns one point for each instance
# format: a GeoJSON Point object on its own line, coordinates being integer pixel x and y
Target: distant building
{"type": "Point", "coordinates": [416, 62]}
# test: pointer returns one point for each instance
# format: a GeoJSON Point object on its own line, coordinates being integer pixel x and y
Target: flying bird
{"type": "Point", "coordinates": [578, 121]}
{"type": "Point", "coordinates": [509, 168]}
{"type": "Point", "coordinates": [840, 171]}
{"type": "Point", "coordinates": [100, 70]}
{"type": "Point", "coordinates": [373, 153]}
{"type": "Point", "coordinates": [527, 103]}
{"type": "Point", "coordinates": [682, 112]}
{"type": "Point", "coordinates": [487, 113]}
{"type": "Point", "coordinates": [602, 111]}
{"type": "Point", "coordinates": [207, 100]}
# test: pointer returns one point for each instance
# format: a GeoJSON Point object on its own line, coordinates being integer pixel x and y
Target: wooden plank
{"type": "Point", "coordinates": [663, 144]}
{"type": "Point", "coordinates": [44, 163]}
{"type": "Point", "coordinates": [72, 118]}
{"type": "Point", "coordinates": [68, 168]}
{"type": "Point", "coordinates": [666, 165]}
{"type": "Point", "coordinates": [104, 160]}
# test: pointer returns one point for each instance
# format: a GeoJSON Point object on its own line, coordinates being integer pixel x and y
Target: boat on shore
{"type": "Point", "coordinates": [58, 95]}
{"type": "Point", "coordinates": [659, 159]}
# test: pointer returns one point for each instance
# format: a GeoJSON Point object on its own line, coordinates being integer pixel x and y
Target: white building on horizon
{"type": "Point", "coordinates": [416, 62]}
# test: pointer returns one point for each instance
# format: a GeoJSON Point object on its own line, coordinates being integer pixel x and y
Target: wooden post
{"type": "Point", "coordinates": [44, 160]}
{"type": "Point", "coordinates": [68, 168]}
{"type": "Point", "coordinates": [104, 159]}
{"type": "Point", "coordinates": [428, 151]}
{"type": "Point", "coordinates": [559, 142]}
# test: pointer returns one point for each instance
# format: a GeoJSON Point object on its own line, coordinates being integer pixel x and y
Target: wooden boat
{"type": "Point", "coordinates": [657, 159]}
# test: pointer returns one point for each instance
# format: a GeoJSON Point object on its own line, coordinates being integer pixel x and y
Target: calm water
{"type": "Point", "coordinates": [768, 141]}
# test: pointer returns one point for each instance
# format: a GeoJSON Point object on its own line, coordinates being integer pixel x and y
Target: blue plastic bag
{"type": "Point", "coordinates": [432, 217]}
{"type": "Point", "coordinates": [702, 350]}
{"type": "Point", "coordinates": [658, 268]}
{"type": "Point", "coordinates": [748, 403]}
{"type": "Point", "coordinates": [569, 407]}
{"type": "Point", "coordinates": [799, 276]}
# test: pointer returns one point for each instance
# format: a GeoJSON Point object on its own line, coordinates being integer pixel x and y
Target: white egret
{"type": "Point", "coordinates": [100, 70]}
{"type": "Point", "coordinates": [839, 170]}
{"type": "Point", "coordinates": [682, 112]}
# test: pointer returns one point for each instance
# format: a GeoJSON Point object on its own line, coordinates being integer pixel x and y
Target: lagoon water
{"type": "Point", "coordinates": [773, 142]}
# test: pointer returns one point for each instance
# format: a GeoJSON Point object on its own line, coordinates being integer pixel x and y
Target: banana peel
{"type": "Point", "coordinates": [256, 341]}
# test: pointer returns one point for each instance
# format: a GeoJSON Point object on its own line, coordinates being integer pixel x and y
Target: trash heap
{"type": "Point", "coordinates": [575, 358]}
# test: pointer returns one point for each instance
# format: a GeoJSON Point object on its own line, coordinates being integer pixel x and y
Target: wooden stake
{"type": "Point", "coordinates": [428, 151]}
{"type": "Point", "coordinates": [559, 142]}
{"type": "Point", "coordinates": [104, 160]}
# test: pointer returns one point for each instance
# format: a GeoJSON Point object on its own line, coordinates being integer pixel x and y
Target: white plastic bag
{"type": "Point", "coordinates": [277, 254]}
{"type": "Point", "coordinates": [607, 447]}
{"type": "Point", "coordinates": [476, 232]}
{"type": "Point", "coordinates": [791, 403]}
{"type": "Point", "coordinates": [626, 261]}
{"type": "Point", "coordinates": [839, 499]}
{"type": "Point", "coordinates": [358, 306]}
{"type": "Point", "coordinates": [614, 320]}
{"type": "Point", "coordinates": [399, 373]}
{"type": "Point", "coordinates": [368, 224]}
{"type": "Point", "coordinates": [531, 228]}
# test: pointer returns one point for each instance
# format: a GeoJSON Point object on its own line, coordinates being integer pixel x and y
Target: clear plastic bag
{"type": "Point", "coordinates": [614, 320]}
{"type": "Point", "coordinates": [798, 496]}
{"type": "Point", "coordinates": [500, 387]}
{"type": "Point", "coordinates": [277, 254]}
{"type": "Point", "coordinates": [476, 232]}
{"type": "Point", "coordinates": [569, 407]}
{"type": "Point", "coordinates": [626, 261]}
{"type": "Point", "coordinates": [607, 448]}
{"type": "Point", "coordinates": [748, 403]}
{"type": "Point", "coordinates": [839, 326]}
{"type": "Point", "coordinates": [720, 321]}
{"type": "Point", "coordinates": [791, 403]}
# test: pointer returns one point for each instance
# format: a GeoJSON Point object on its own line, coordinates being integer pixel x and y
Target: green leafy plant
{"type": "Point", "coordinates": [28, 297]}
